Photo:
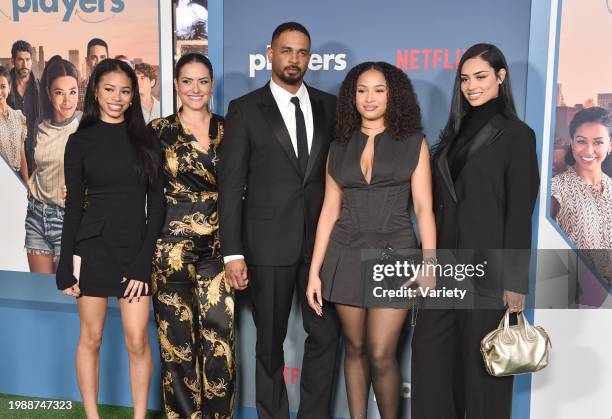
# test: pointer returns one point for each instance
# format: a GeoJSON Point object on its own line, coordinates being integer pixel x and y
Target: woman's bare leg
{"type": "Point", "coordinates": [42, 263]}
{"type": "Point", "coordinates": [135, 319]}
{"type": "Point", "coordinates": [92, 313]}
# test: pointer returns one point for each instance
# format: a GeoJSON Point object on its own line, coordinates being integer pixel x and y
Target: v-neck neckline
{"type": "Point", "coordinates": [362, 150]}
{"type": "Point", "coordinates": [198, 145]}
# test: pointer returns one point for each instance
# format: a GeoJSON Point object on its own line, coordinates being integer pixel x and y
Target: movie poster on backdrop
{"type": "Point", "coordinates": [580, 187]}
{"type": "Point", "coordinates": [35, 34]}
{"type": "Point", "coordinates": [190, 30]}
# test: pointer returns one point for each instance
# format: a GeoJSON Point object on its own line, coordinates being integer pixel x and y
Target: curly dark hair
{"type": "Point", "coordinates": [403, 115]}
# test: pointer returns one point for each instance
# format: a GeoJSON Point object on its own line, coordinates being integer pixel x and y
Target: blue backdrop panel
{"type": "Point", "coordinates": [428, 33]}
{"type": "Point", "coordinates": [426, 39]}
{"type": "Point", "coordinates": [40, 331]}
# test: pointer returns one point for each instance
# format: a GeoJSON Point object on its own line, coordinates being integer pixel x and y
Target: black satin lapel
{"type": "Point", "coordinates": [445, 172]}
{"type": "Point", "coordinates": [271, 113]}
{"type": "Point", "coordinates": [318, 121]}
{"type": "Point", "coordinates": [486, 136]}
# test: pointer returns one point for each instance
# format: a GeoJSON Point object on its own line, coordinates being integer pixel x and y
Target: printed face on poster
{"type": "Point", "coordinates": [82, 34]}
{"type": "Point", "coordinates": [580, 203]}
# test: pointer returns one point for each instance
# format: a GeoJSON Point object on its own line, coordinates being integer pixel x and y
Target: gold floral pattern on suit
{"type": "Point", "coordinates": [169, 352]}
{"type": "Point", "coordinates": [194, 304]}
{"type": "Point", "coordinates": [197, 223]}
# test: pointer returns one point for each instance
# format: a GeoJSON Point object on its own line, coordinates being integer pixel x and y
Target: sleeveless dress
{"type": "Point", "coordinates": [374, 216]}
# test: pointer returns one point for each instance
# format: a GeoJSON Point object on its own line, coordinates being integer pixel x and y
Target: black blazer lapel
{"type": "Point", "coordinates": [272, 114]}
{"type": "Point", "coordinates": [319, 125]}
{"type": "Point", "coordinates": [445, 173]}
{"type": "Point", "coordinates": [483, 138]}
{"type": "Point", "coordinates": [486, 136]}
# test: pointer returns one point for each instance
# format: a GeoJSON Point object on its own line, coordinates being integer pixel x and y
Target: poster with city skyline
{"type": "Point", "coordinates": [583, 68]}
{"type": "Point", "coordinates": [31, 150]}
{"type": "Point", "coordinates": [130, 28]}
{"type": "Point", "coordinates": [580, 192]}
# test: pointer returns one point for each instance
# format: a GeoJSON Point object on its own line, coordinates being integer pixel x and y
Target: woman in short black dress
{"type": "Point", "coordinates": [108, 238]}
{"type": "Point", "coordinates": [377, 168]}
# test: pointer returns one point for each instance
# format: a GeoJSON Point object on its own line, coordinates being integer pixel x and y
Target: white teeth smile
{"type": "Point", "coordinates": [196, 97]}
{"type": "Point", "coordinates": [114, 107]}
{"type": "Point", "coordinates": [588, 159]}
{"type": "Point", "coordinates": [474, 95]}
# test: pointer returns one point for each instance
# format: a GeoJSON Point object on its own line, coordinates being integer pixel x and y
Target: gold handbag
{"type": "Point", "coordinates": [512, 350]}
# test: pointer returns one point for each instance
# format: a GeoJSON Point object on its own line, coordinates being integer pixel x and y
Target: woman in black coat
{"type": "Point", "coordinates": [486, 180]}
{"type": "Point", "coordinates": [111, 168]}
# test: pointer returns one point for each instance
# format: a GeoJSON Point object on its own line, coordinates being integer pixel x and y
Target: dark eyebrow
{"type": "Point", "coordinates": [122, 87]}
{"type": "Point", "coordinates": [586, 138]}
{"type": "Point", "coordinates": [377, 85]}
{"type": "Point", "coordinates": [476, 73]}
{"type": "Point", "coordinates": [291, 48]}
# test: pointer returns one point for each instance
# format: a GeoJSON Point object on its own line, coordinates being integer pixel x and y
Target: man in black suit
{"type": "Point", "coordinates": [271, 186]}
{"type": "Point", "coordinates": [24, 94]}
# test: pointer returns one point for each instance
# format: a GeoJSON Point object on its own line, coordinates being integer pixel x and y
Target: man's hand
{"type": "Point", "coordinates": [236, 274]}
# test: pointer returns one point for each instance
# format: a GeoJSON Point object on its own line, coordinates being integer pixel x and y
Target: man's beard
{"type": "Point", "coordinates": [24, 72]}
{"type": "Point", "coordinates": [291, 80]}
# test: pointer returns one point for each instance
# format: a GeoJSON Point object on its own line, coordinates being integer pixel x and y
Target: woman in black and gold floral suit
{"type": "Point", "coordinates": [194, 306]}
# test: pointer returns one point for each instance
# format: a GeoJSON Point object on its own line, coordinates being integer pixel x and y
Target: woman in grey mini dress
{"type": "Point", "coordinates": [378, 169]}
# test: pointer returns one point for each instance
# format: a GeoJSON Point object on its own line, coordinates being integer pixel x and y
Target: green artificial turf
{"type": "Point", "coordinates": [106, 411]}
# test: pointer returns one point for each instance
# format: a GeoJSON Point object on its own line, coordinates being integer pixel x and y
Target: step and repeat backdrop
{"type": "Point", "coordinates": [558, 68]}
{"type": "Point", "coordinates": [425, 39]}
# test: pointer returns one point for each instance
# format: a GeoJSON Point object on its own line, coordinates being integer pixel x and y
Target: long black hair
{"type": "Point", "coordinates": [403, 115]}
{"type": "Point", "coordinates": [460, 106]}
{"type": "Point", "coordinates": [146, 147]}
{"type": "Point", "coordinates": [56, 67]}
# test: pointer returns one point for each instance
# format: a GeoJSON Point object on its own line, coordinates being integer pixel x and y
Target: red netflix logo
{"type": "Point", "coordinates": [291, 375]}
{"type": "Point", "coordinates": [424, 59]}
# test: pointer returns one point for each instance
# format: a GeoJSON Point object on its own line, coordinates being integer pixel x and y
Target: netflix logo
{"type": "Point", "coordinates": [291, 375]}
{"type": "Point", "coordinates": [425, 59]}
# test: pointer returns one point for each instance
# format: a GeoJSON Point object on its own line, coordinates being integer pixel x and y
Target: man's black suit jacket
{"type": "Point", "coordinates": [266, 206]}
{"type": "Point", "coordinates": [488, 207]}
